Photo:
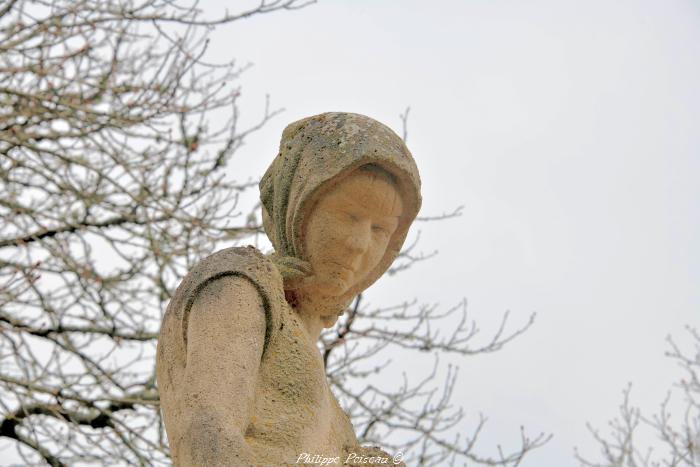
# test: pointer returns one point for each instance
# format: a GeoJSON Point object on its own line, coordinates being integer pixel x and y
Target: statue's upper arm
{"type": "Point", "coordinates": [225, 339]}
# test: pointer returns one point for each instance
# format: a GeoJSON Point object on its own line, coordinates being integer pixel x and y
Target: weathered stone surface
{"type": "Point", "coordinates": [240, 377]}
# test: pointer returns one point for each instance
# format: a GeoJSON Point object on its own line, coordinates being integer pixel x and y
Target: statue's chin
{"type": "Point", "coordinates": [330, 288]}
{"type": "Point", "coordinates": [335, 307]}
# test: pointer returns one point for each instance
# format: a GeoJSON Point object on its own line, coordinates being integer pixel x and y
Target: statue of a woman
{"type": "Point", "coordinates": [241, 379]}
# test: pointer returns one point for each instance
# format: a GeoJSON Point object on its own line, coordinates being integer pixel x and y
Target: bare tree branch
{"type": "Point", "coordinates": [677, 438]}
{"type": "Point", "coordinates": [116, 136]}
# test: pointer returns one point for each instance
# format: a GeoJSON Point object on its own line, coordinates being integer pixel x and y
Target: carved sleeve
{"type": "Point", "coordinates": [238, 261]}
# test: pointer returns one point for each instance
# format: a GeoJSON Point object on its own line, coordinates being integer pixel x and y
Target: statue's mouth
{"type": "Point", "coordinates": [347, 268]}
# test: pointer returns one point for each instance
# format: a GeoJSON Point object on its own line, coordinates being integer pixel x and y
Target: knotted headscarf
{"type": "Point", "coordinates": [326, 147]}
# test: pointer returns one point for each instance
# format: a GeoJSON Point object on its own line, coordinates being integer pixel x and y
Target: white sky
{"type": "Point", "coordinates": [569, 131]}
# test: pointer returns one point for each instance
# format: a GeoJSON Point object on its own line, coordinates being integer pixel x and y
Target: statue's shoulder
{"type": "Point", "coordinates": [246, 262]}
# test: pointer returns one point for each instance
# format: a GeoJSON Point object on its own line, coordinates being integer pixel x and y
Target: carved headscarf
{"type": "Point", "coordinates": [315, 150]}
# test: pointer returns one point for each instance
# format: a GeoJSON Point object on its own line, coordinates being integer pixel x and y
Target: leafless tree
{"type": "Point", "coordinates": [675, 441]}
{"type": "Point", "coordinates": [114, 180]}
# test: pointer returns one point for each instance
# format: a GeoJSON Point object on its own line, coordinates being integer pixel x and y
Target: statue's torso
{"type": "Point", "coordinates": [294, 411]}
{"type": "Point", "coordinates": [294, 407]}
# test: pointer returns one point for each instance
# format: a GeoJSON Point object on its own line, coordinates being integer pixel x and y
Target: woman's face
{"type": "Point", "coordinates": [348, 230]}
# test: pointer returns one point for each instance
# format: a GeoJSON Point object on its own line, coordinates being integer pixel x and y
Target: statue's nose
{"type": "Point", "coordinates": [358, 237]}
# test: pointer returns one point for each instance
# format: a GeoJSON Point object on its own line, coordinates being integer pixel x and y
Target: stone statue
{"type": "Point", "coordinates": [241, 379]}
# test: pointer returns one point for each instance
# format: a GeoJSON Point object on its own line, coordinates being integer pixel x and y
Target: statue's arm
{"type": "Point", "coordinates": [225, 338]}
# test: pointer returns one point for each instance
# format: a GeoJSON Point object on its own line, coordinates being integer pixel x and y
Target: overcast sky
{"type": "Point", "coordinates": [569, 130]}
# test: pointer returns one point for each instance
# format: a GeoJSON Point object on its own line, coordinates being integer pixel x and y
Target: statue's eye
{"type": "Point", "coordinates": [378, 229]}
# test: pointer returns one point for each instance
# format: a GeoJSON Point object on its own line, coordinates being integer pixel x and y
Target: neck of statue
{"type": "Point", "coordinates": [316, 312]}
